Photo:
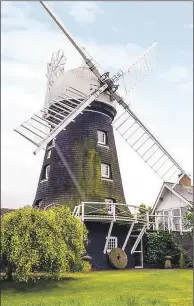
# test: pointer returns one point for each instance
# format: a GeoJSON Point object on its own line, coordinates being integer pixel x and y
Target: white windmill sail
{"type": "Point", "coordinates": [139, 69]}
{"type": "Point", "coordinates": [42, 127]}
{"type": "Point", "coordinates": [88, 59]}
{"type": "Point", "coordinates": [146, 145]}
{"type": "Point", "coordinates": [128, 124]}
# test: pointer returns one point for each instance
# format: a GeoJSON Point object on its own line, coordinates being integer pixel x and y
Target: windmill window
{"type": "Point", "coordinates": [48, 153]}
{"type": "Point", "coordinates": [45, 173]}
{"type": "Point", "coordinates": [51, 143]}
{"type": "Point", "coordinates": [112, 243]}
{"type": "Point", "coordinates": [102, 137]}
{"type": "Point", "coordinates": [105, 170]}
{"type": "Point", "coordinates": [38, 203]}
{"type": "Point", "coordinates": [110, 205]}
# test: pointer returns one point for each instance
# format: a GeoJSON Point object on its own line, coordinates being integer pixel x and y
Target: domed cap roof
{"type": "Point", "coordinates": [82, 79]}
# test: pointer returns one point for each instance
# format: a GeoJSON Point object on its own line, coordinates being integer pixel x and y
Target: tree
{"type": "Point", "coordinates": [143, 210]}
{"type": "Point", "coordinates": [33, 240]}
{"type": "Point", "coordinates": [74, 234]}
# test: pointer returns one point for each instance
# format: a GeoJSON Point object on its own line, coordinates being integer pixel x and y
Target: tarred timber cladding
{"type": "Point", "coordinates": [78, 145]}
{"type": "Point", "coordinates": [97, 233]}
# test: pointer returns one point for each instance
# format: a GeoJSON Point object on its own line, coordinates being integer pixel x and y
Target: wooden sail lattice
{"type": "Point", "coordinates": [145, 64]}
{"type": "Point", "coordinates": [43, 126]}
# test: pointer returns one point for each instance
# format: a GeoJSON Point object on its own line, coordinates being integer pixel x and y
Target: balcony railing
{"type": "Point", "coordinates": [124, 213]}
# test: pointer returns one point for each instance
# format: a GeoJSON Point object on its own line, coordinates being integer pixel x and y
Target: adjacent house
{"type": "Point", "coordinates": [6, 211]}
{"type": "Point", "coordinates": [172, 204]}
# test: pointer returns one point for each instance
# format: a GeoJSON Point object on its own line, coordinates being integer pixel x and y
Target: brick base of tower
{"type": "Point", "coordinates": [81, 180]}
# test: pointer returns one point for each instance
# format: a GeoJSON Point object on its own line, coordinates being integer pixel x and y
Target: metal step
{"type": "Point", "coordinates": [145, 144]}
{"type": "Point", "coordinates": [138, 239]}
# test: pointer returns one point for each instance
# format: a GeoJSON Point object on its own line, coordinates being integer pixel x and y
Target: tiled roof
{"type": "Point", "coordinates": [185, 191]}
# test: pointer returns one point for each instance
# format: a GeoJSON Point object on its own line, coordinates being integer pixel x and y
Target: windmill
{"type": "Point", "coordinates": [59, 112]}
{"type": "Point", "coordinates": [79, 109]}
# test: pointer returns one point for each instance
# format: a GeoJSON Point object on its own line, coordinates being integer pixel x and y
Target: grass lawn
{"type": "Point", "coordinates": [114, 288]}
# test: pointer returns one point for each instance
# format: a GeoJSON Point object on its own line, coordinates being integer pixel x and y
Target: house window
{"type": "Point", "coordinates": [163, 219]}
{"type": "Point", "coordinates": [159, 219]}
{"type": "Point", "coordinates": [102, 137]}
{"type": "Point", "coordinates": [166, 219]}
{"type": "Point", "coordinates": [45, 172]}
{"type": "Point", "coordinates": [110, 205]}
{"type": "Point", "coordinates": [169, 219]}
{"type": "Point", "coordinates": [176, 216]}
{"type": "Point", "coordinates": [112, 243]}
{"type": "Point", "coordinates": [105, 170]}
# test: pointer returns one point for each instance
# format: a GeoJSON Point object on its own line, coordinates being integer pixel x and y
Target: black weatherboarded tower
{"type": "Point", "coordinates": [81, 163]}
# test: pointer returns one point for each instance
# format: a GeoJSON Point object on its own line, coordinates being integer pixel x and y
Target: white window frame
{"type": "Point", "coordinates": [166, 217]}
{"type": "Point", "coordinates": [110, 205]}
{"type": "Point", "coordinates": [102, 137]}
{"type": "Point", "coordinates": [48, 154]}
{"type": "Point", "coordinates": [47, 171]}
{"type": "Point", "coordinates": [179, 218]}
{"type": "Point", "coordinates": [52, 144]}
{"type": "Point", "coordinates": [112, 243]}
{"type": "Point", "coordinates": [171, 218]}
{"type": "Point", "coordinates": [105, 171]}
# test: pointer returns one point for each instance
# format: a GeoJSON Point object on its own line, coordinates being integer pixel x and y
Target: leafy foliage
{"type": "Point", "coordinates": [74, 234]}
{"type": "Point", "coordinates": [157, 245]}
{"type": "Point", "coordinates": [189, 218]}
{"type": "Point", "coordinates": [34, 240]}
{"type": "Point", "coordinates": [90, 177]}
{"type": "Point", "coordinates": [143, 210]}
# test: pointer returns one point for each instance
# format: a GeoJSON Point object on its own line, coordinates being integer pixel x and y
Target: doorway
{"type": "Point", "coordinates": [138, 254]}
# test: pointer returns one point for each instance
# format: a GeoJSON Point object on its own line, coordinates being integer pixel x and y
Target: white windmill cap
{"type": "Point", "coordinates": [80, 78]}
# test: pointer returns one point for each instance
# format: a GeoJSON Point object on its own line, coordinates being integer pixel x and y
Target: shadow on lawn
{"type": "Point", "coordinates": [38, 285]}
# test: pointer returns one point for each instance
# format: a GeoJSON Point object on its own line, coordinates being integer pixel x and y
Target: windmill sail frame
{"type": "Point", "coordinates": [52, 117]}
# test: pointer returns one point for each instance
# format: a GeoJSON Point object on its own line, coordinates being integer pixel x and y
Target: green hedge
{"type": "Point", "coordinates": [157, 245]}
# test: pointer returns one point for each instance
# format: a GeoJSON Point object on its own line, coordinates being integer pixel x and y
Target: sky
{"type": "Point", "coordinates": [114, 33]}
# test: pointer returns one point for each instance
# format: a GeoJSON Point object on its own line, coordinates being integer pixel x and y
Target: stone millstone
{"type": "Point", "coordinates": [118, 258]}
